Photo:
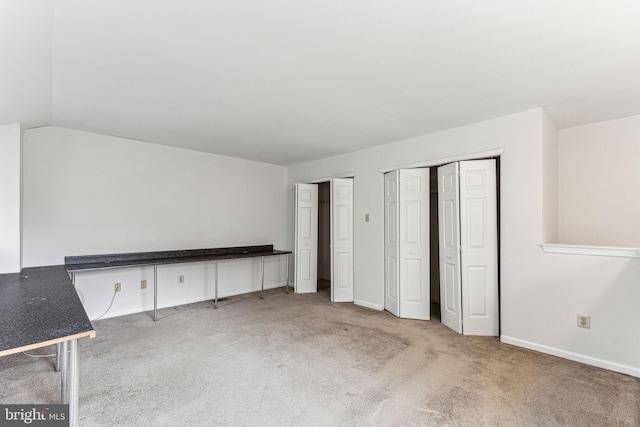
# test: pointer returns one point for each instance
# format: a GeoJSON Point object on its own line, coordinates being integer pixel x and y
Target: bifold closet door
{"type": "Point", "coordinates": [342, 240]}
{"type": "Point", "coordinates": [468, 227]}
{"type": "Point", "coordinates": [449, 247]}
{"type": "Point", "coordinates": [306, 238]}
{"type": "Point", "coordinates": [415, 290]}
{"type": "Point", "coordinates": [407, 290]}
{"type": "Point", "coordinates": [391, 246]}
{"type": "Point", "coordinates": [479, 247]}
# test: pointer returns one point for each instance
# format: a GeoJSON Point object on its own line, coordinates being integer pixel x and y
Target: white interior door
{"type": "Point", "coordinates": [415, 292]}
{"type": "Point", "coordinates": [342, 240]}
{"type": "Point", "coordinates": [391, 246]}
{"type": "Point", "coordinates": [306, 242]}
{"type": "Point", "coordinates": [449, 247]}
{"type": "Point", "coordinates": [479, 247]}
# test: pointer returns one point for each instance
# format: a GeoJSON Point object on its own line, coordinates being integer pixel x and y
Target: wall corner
{"type": "Point", "coordinates": [11, 198]}
{"type": "Point", "coordinates": [549, 136]}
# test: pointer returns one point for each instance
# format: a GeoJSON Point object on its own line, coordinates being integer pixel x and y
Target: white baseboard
{"type": "Point", "coordinates": [368, 305]}
{"type": "Point", "coordinates": [576, 357]}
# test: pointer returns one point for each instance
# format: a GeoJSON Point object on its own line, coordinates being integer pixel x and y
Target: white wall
{"type": "Point", "coordinates": [93, 194]}
{"type": "Point", "coordinates": [10, 198]}
{"type": "Point", "coordinates": [235, 277]}
{"type": "Point", "coordinates": [540, 293]}
{"type": "Point", "coordinates": [598, 183]}
{"type": "Point", "coordinates": [549, 181]}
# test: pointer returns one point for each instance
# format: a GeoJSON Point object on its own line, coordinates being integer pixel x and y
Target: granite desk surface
{"type": "Point", "coordinates": [140, 259]}
{"type": "Point", "coordinates": [39, 306]}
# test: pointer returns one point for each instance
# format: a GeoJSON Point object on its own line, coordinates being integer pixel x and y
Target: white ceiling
{"type": "Point", "coordinates": [286, 81]}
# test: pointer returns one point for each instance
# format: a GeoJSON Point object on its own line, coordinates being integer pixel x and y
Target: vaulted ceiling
{"type": "Point", "coordinates": [284, 81]}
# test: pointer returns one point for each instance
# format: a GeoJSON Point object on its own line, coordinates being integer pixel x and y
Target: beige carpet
{"type": "Point", "coordinates": [299, 360]}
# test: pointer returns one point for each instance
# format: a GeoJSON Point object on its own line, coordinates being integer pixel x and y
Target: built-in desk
{"type": "Point", "coordinates": [40, 307]}
{"type": "Point", "coordinates": [75, 264]}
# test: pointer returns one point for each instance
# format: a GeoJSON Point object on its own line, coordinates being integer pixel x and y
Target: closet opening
{"type": "Point", "coordinates": [461, 223]}
{"type": "Point", "coordinates": [324, 237]}
{"type": "Point", "coordinates": [434, 245]}
{"type": "Point", "coordinates": [434, 241]}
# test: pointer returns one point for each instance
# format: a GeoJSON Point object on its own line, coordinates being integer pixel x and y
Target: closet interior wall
{"type": "Point", "coordinates": [324, 231]}
{"type": "Point", "coordinates": [434, 247]}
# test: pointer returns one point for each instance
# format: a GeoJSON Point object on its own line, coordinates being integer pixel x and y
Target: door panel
{"type": "Point", "coordinates": [479, 247]}
{"type": "Point", "coordinates": [391, 246]}
{"type": "Point", "coordinates": [449, 226]}
{"type": "Point", "coordinates": [476, 210]}
{"type": "Point", "coordinates": [413, 197]}
{"type": "Point", "coordinates": [306, 242]}
{"type": "Point", "coordinates": [414, 278]}
{"type": "Point", "coordinates": [305, 225]}
{"type": "Point", "coordinates": [305, 265]}
{"type": "Point", "coordinates": [450, 296]}
{"type": "Point", "coordinates": [342, 240]}
{"type": "Point", "coordinates": [477, 291]}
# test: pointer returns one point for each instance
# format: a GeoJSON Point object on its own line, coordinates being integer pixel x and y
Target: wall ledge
{"type": "Point", "coordinates": [610, 251]}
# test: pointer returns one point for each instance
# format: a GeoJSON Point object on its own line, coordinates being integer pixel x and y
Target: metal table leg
{"type": "Point", "coordinates": [74, 384]}
{"type": "Point", "coordinates": [262, 286]}
{"type": "Point", "coordinates": [286, 284]}
{"type": "Point", "coordinates": [64, 371]}
{"type": "Point", "coordinates": [58, 356]}
{"type": "Point", "coordinates": [155, 293]}
{"type": "Point", "coordinates": [215, 300]}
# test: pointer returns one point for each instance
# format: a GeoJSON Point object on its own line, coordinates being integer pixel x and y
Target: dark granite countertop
{"type": "Point", "coordinates": [141, 259]}
{"type": "Point", "coordinates": [39, 306]}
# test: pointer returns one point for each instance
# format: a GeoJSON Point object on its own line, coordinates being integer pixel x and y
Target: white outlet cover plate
{"type": "Point", "coordinates": [583, 321]}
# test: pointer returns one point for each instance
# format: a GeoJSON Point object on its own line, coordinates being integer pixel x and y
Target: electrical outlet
{"type": "Point", "coordinates": [180, 279]}
{"type": "Point", "coordinates": [366, 217]}
{"type": "Point", "coordinates": [584, 321]}
{"type": "Point", "coordinates": [117, 287]}
{"type": "Point", "coordinates": [143, 284]}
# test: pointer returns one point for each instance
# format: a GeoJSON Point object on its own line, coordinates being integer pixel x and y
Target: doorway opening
{"type": "Point", "coordinates": [434, 245]}
{"type": "Point", "coordinates": [324, 237]}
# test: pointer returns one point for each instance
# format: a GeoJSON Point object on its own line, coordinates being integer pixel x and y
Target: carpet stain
{"type": "Point", "coordinates": [396, 412]}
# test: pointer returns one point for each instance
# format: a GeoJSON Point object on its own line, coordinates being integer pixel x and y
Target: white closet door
{"type": "Point", "coordinates": [306, 242]}
{"type": "Point", "coordinates": [479, 247]}
{"type": "Point", "coordinates": [449, 247]}
{"type": "Point", "coordinates": [391, 246]}
{"type": "Point", "coordinates": [415, 295]}
{"type": "Point", "coordinates": [342, 240]}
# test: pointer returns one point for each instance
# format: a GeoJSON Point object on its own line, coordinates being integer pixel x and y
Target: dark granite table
{"type": "Point", "coordinates": [76, 264]}
{"type": "Point", "coordinates": [39, 307]}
